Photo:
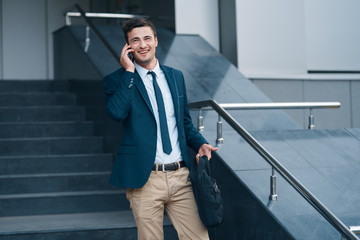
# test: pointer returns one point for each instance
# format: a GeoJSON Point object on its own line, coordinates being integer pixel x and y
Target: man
{"type": "Point", "coordinates": [152, 161]}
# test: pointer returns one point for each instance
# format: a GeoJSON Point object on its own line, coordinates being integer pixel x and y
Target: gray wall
{"type": "Point", "coordinates": [228, 41]}
{"type": "Point", "coordinates": [1, 34]}
{"type": "Point", "coordinates": [163, 15]}
{"type": "Point", "coordinates": [26, 36]}
{"type": "Point", "coordinates": [345, 91]}
{"type": "Point", "coordinates": [24, 54]}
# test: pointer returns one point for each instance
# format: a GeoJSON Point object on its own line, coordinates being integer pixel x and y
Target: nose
{"type": "Point", "coordinates": [142, 44]}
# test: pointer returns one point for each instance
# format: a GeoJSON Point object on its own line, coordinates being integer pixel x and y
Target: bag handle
{"type": "Point", "coordinates": [204, 164]}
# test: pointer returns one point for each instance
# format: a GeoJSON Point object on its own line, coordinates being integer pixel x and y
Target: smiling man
{"type": "Point", "coordinates": [152, 161]}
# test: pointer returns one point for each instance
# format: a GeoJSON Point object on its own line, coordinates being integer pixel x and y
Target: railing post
{"type": "Point", "coordinates": [200, 122]}
{"type": "Point", "coordinates": [311, 120]}
{"type": "Point", "coordinates": [219, 138]}
{"type": "Point", "coordinates": [87, 38]}
{"type": "Point", "coordinates": [67, 19]}
{"type": "Point", "coordinates": [355, 229]}
{"type": "Point", "coordinates": [273, 193]}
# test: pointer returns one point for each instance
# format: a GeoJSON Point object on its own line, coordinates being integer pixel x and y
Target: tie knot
{"type": "Point", "coordinates": [153, 74]}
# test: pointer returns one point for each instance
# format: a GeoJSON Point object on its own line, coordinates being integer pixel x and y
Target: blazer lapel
{"type": "Point", "coordinates": [170, 78]}
{"type": "Point", "coordinates": [141, 87]}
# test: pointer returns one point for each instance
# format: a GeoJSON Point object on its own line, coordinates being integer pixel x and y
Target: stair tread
{"type": "Point", "coordinates": [66, 222]}
{"type": "Point", "coordinates": [8, 86]}
{"type": "Point", "coordinates": [48, 138]}
{"type": "Point", "coordinates": [56, 155]}
{"type": "Point", "coordinates": [42, 113]}
{"type": "Point", "coordinates": [60, 194]}
{"type": "Point", "coordinates": [50, 175]}
{"type": "Point", "coordinates": [40, 106]}
{"type": "Point", "coordinates": [36, 93]}
{"type": "Point", "coordinates": [46, 122]}
{"type": "Point", "coordinates": [56, 163]}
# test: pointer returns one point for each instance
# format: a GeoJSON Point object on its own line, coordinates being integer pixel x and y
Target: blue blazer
{"type": "Point", "coordinates": [127, 101]}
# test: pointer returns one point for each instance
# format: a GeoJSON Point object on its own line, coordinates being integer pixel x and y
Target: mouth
{"type": "Point", "coordinates": [144, 52]}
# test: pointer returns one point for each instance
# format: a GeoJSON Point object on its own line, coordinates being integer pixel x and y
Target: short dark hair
{"type": "Point", "coordinates": [135, 23]}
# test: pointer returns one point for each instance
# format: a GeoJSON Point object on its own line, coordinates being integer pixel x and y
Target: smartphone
{"type": "Point", "coordinates": [131, 56]}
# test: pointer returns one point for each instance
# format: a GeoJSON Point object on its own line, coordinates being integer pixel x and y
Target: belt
{"type": "Point", "coordinates": [169, 167]}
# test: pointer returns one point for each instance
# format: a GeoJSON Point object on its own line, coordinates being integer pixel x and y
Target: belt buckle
{"type": "Point", "coordinates": [163, 168]}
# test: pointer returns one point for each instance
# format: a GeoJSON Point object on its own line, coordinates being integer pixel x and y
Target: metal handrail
{"type": "Point", "coordinates": [355, 229]}
{"type": "Point", "coordinates": [262, 106]}
{"type": "Point", "coordinates": [266, 106]}
{"type": "Point", "coordinates": [100, 36]}
{"type": "Point", "coordinates": [69, 15]}
{"type": "Point", "coordinates": [304, 192]}
{"type": "Point", "coordinates": [87, 16]}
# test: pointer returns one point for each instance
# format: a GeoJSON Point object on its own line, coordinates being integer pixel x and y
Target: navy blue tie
{"type": "Point", "coordinates": [162, 116]}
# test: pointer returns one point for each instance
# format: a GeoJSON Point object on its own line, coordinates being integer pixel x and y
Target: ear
{"type": "Point", "coordinates": [156, 41]}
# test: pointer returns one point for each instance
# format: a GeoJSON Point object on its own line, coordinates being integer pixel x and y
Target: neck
{"type": "Point", "coordinates": [148, 65]}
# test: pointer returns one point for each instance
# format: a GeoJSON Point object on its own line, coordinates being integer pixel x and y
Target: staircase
{"type": "Point", "coordinates": [53, 169]}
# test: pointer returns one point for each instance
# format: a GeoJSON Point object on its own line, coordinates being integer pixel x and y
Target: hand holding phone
{"type": "Point", "coordinates": [127, 58]}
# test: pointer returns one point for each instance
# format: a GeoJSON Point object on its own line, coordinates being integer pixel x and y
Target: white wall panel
{"type": "Point", "coordinates": [26, 36]}
{"type": "Point", "coordinates": [355, 106]}
{"type": "Point", "coordinates": [24, 41]}
{"type": "Point", "coordinates": [271, 37]}
{"type": "Point", "coordinates": [1, 45]}
{"type": "Point", "coordinates": [333, 34]}
{"type": "Point", "coordinates": [198, 17]}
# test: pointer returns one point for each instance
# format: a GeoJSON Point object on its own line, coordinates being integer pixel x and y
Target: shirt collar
{"type": "Point", "coordinates": [143, 71]}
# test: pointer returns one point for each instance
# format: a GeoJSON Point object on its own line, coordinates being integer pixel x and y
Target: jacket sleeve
{"type": "Point", "coordinates": [118, 93]}
{"type": "Point", "coordinates": [194, 139]}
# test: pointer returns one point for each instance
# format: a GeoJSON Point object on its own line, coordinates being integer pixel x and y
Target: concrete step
{"type": "Point", "coordinates": [36, 99]}
{"type": "Point", "coordinates": [40, 164]}
{"type": "Point", "coordinates": [96, 113]}
{"type": "Point", "coordinates": [45, 129]}
{"type": "Point", "coordinates": [41, 113]}
{"type": "Point", "coordinates": [54, 182]}
{"type": "Point", "coordinates": [90, 98]}
{"type": "Point", "coordinates": [119, 225]}
{"type": "Point", "coordinates": [62, 202]}
{"type": "Point", "coordinates": [48, 146]}
{"type": "Point", "coordinates": [85, 86]}
{"type": "Point", "coordinates": [33, 86]}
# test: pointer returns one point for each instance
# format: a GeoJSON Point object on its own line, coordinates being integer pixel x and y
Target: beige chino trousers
{"type": "Point", "coordinates": [172, 191]}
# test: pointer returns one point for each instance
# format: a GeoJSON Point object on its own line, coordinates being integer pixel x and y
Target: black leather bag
{"type": "Point", "coordinates": [207, 194]}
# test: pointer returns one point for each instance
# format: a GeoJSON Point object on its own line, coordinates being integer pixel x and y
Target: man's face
{"type": "Point", "coordinates": [144, 43]}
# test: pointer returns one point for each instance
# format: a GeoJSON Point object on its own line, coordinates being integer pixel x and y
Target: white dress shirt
{"type": "Point", "coordinates": [162, 157]}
